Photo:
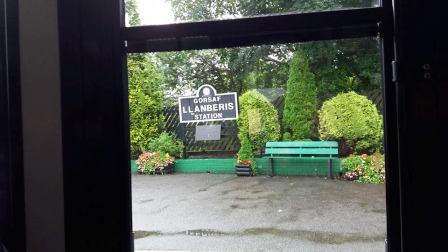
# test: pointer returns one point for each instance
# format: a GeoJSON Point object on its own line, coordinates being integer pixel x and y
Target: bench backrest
{"type": "Point", "coordinates": [302, 149]}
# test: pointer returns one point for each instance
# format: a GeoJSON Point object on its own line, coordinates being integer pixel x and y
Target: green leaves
{"type": "Point", "coordinates": [258, 120]}
{"type": "Point", "coordinates": [245, 154]}
{"type": "Point", "coordinates": [145, 103]}
{"type": "Point", "coordinates": [167, 143]}
{"type": "Point", "coordinates": [353, 120]}
{"type": "Point", "coordinates": [227, 69]}
{"type": "Point", "coordinates": [241, 69]}
{"type": "Point", "coordinates": [132, 14]}
{"type": "Point", "coordinates": [300, 101]}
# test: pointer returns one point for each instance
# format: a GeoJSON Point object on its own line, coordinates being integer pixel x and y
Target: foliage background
{"type": "Point", "coordinates": [339, 66]}
{"type": "Point", "coordinates": [327, 67]}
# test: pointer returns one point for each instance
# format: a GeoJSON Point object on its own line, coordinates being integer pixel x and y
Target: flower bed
{"type": "Point", "coordinates": [364, 168]}
{"type": "Point", "coordinates": [161, 155]}
{"type": "Point", "coordinates": [155, 163]}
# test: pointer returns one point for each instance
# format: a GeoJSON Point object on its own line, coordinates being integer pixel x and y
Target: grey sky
{"type": "Point", "coordinates": [155, 12]}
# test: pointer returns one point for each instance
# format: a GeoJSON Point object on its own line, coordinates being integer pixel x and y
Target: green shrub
{"type": "Point", "coordinates": [167, 143]}
{"type": "Point", "coordinates": [258, 120]}
{"type": "Point", "coordinates": [300, 100]}
{"type": "Point", "coordinates": [245, 154]}
{"type": "Point", "coordinates": [364, 168]}
{"type": "Point", "coordinates": [287, 137]}
{"type": "Point", "coordinates": [353, 120]}
{"type": "Point", "coordinates": [145, 103]}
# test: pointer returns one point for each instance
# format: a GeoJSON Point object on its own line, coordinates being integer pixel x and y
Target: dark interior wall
{"type": "Point", "coordinates": [422, 53]}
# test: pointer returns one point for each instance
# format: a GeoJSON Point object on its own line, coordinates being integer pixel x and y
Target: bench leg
{"type": "Point", "coordinates": [330, 168]}
{"type": "Point", "coordinates": [271, 167]}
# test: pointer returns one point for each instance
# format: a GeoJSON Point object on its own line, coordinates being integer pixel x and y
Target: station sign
{"type": "Point", "coordinates": [207, 105]}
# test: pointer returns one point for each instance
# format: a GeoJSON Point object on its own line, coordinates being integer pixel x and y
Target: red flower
{"type": "Point", "coordinates": [364, 155]}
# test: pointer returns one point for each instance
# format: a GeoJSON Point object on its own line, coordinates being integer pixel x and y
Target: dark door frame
{"type": "Point", "coordinates": [12, 214]}
{"type": "Point", "coordinates": [93, 47]}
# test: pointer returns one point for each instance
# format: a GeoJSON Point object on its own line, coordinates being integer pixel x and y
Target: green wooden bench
{"type": "Point", "coordinates": [305, 149]}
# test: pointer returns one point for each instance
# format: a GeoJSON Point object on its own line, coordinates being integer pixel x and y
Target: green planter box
{"type": "Point", "coordinates": [287, 167]}
{"type": "Point", "coordinates": [134, 166]}
{"type": "Point", "coordinates": [243, 170]}
{"type": "Point", "coordinates": [206, 165]}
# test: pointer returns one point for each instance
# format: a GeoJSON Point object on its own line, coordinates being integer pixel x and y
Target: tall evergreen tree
{"type": "Point", "coordinates": [301, 99]}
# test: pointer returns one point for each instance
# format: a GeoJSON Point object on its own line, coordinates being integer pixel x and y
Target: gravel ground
{"type": "Point", "coordinates": [210, 212]}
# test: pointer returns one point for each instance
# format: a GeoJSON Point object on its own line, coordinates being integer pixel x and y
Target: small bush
{"type": "Point", "coordinates": [258, 120]}
{"type": "Point", "coordinates": [167, 143]}
{"type": "Point", "coordinates": [245, 154]}
{"type": "Point", "coordinates": [300, 100]}
{"type": "Point", "coordinates": [364, 168]}
{"type": "Point", "coordinates": [354, 121]}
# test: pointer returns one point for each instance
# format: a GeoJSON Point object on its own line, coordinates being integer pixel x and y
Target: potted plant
{"type": "Point", "coordinates": [245, 164]}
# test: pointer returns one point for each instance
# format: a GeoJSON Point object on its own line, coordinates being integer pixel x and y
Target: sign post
{"type": "Point", "coordinates": [207, 105]}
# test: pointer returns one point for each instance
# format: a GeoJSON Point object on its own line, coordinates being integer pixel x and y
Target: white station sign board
{"type": "Point", "coordinates": [207, 105]}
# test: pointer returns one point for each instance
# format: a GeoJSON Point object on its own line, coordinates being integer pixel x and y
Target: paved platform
{"type": "Point", "coordinates": [222, 212]}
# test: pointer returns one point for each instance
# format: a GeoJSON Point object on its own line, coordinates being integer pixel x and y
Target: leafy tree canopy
{"type": "Point", "coordinates": [195, 10]}
{"type": "Point", "coordinates": [339, 66]}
